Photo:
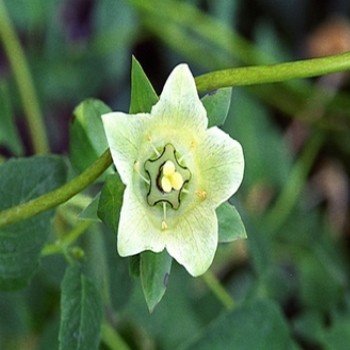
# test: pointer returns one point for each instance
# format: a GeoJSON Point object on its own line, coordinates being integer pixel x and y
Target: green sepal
{"type": "Point", "coordinates": [90, 212]}
{"type": "Point", "coordinates": [217, 104]}
{"type": "Point", "coordinates": [110, 201]}
{"type": "Point", "coordinates": [143, 95]}
{"type": "Point", "coordinates": [81, 312]}
{"type": "Point", "coordinates": [231, 226]}
{"type": "Point", "coordinates": [154, 271]}
{"type": "Point", "coordinates": [87, 137]}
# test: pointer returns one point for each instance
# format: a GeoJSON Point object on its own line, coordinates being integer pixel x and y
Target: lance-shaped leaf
{"type": "Point", "coordinates": [143, 96]}
{"type": "Point", "coordinates": [20, 243]}
{"type": "Point", "coordinates": [155, 270]}
{"type": "Point", "coordinates": [231, 226]}
{"type": "Point", "coordinates": [81, 312]}
{"type": "Point", "coordinates": [217, 104]}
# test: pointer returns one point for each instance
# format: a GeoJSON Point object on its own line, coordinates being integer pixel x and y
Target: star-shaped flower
{"type": "Point", "coordinates": [176, 172]}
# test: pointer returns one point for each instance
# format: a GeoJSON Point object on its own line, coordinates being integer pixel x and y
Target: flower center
{"type": "Point", "coordinates": [167, 178]}
{"type": "Point", "coordinates": [171, 179]}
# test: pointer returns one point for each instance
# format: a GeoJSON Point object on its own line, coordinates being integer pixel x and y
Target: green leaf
{"type": "Point", "coordinates": [120, 283]}
{"type": "Point", "coordinates": [20, 243]}
{"type": "Point", "coordinates": [338, 336]}
{"type": "Point", "coordinates": [217, 104]}
{"type": "Point", "coordinates": [143, 96]}
{"type": "Point", "coordinates": [110, 202]}
{"type": "Point", "coordinates": [320, 287]}
{"type": "Point", "coordinates": [155, 271]}
{"type": "Point", "coordinates": [309, 326]}
{"type": "Point", "coordinates": [81, 312]}
{"type": "Point", "coordinates": [90, 212]}
{"type": "Point", "coordinates": [87, 136]}
{"type": "Point", "coordinates": [257, 325]}
{"type": "Point", "coordinates": [8, 133]}
{"type": "Point", "coordinates": [113, 51]}
{"type": "Point", "coordinates": [231, 226]}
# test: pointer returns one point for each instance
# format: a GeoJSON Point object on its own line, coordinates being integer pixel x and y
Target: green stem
{"type": "Point", "coordinates": [218, 290]}
{"type": "Point", "coordinates": [273, 73]}
{"type": "Point", "coordinates": [62, 244]}
{"type": "Point", "coordinates": [58, 196]}
{"type": "Point", "coordinates": [112, 339]}
{"type": "Point", "coordinates": [24, 81]}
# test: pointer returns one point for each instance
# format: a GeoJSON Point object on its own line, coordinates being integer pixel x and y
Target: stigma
{"type": "Point", "coordinates": [171, 179]}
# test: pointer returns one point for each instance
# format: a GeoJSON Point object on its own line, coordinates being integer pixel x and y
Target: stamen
{"type": "Point", "coordinates": [137, 169]}
{"type": "Point", "coordinates": [149, 139]}
{"type": "Point", "coordinates": [164, 224]}
{"type": "Point", "coordinates": [184, 190]}
{"type": "Point", "coordinates": [182, 157]}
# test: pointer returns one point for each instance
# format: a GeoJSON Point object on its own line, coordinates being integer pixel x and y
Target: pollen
{"type": "Point", "coordinates": [171, 178]}
{"type": "Point", "coordinates": [164, 225]}
{"type": "Point", "coordinates": [201, 194]}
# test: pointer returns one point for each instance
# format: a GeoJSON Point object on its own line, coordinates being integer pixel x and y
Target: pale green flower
{"type": "Point", "coordinates": [176, 172]}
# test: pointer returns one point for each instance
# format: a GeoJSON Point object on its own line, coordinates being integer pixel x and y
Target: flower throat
{"type": "Point", "coordinates": [167, 178]}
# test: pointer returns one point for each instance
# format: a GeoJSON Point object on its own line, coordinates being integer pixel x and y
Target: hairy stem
{"type": "Point", "coordinates": [273, 73]}
{"type": "Point", "coordinates": [24, 81]}
{"type": "Point", "coordinates": [58, 196]}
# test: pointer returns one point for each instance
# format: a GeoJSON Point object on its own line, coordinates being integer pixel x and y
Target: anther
{"type": "Point", "coordinates": [201, 194]}
{"type": "Point", "coordinates": [164, 225]}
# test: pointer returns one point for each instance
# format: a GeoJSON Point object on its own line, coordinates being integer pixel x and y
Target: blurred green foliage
{"type": "Point", "coordinates": [290, 285]}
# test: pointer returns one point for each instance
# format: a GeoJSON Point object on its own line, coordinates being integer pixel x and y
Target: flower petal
{"type": "Point", "coordinates": [136, 231]}
{"type": "Point", "coordinates": [179, 105]}
{"type": "Point", "coordinates": [125, 135]}
{"type": "Point", "coordinates": [220, 166]}
{"type": "Point", "coordinates": [193, 241]}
